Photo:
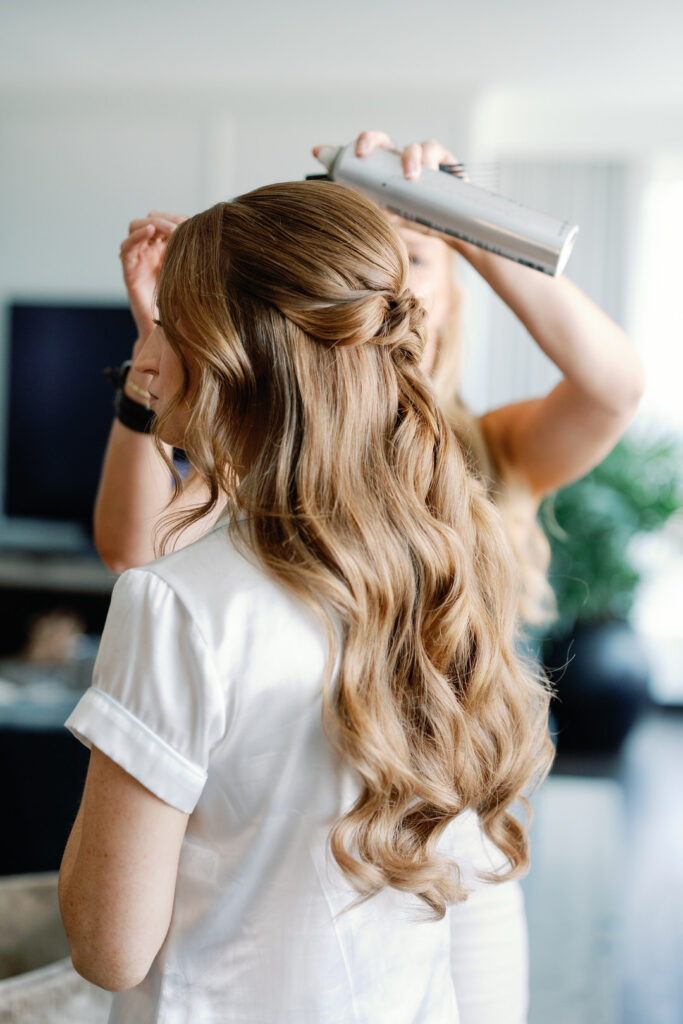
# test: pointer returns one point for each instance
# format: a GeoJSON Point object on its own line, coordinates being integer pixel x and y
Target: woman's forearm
{"type": "Point", "coordinates": [590, 349]}
{"type": "Point", "coordinates": [69, 858]}
{"type": "Point", "coordinates": [133, 491]}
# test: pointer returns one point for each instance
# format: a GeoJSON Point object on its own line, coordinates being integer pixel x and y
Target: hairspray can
{"type": "Point", "coordinates": [440, 200]}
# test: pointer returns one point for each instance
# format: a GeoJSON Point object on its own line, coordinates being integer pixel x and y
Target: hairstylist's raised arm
{"type": "Point", "coordinates": [135, 484]}
{"type": "Point", "coordinates": [557, 438]}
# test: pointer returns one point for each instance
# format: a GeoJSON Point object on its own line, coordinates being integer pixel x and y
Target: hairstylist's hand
{"type": "Point", "coordinates": [414, 156]}
{"type": "Point", "coordinates": [142, 254]}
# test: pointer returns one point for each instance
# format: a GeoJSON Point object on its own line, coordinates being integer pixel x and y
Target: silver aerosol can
{"type": "Point", "coordinates": [441, 200]}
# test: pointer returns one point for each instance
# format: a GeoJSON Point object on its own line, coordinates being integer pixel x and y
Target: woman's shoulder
{"type": "Point", "coordinates": [223, 587]}
{"type": "Point", "coordinates": [212, 561]}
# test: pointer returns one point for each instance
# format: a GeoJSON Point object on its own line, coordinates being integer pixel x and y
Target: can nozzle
{"type": "Point", "coordinates": [326, 155]}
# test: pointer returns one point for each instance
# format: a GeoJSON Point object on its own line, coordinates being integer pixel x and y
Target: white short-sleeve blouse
{"type": "Point", "coordinates": [207, 690]}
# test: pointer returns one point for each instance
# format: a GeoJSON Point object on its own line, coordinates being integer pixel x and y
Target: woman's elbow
{"type": "Point", "coordinates": [111, 973]}
{"type": "Point", "coordinates": [114, 561]}
{"type": "Point", "coordinates": [119, 556]}
{"type": "Point", "coordinates": [625, 398]}
{"type": "Point", "coordinates": [638, 383]}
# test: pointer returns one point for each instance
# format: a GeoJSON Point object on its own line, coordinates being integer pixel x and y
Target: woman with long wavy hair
{"type": "Point", "coordinates": [309, 728]}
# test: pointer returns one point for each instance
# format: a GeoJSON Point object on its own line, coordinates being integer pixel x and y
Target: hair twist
{"type": "Point", "coordinates": [402, 330]}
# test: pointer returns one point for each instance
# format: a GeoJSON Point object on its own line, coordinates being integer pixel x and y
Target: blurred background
{"type": "Point", "coordinates": [108, 111]}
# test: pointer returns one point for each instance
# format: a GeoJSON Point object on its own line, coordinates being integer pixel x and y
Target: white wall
{"type": "Point", "coordinates": [78, 167]}
{"type": "Point", "coordinates": [618, 49]}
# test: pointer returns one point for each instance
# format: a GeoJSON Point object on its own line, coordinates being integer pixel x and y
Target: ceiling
{"type": "Point", "coordinates": [591, 50]}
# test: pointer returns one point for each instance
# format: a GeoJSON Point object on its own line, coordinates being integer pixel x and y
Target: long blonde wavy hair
{"type": "Point", "coordinates": [312, 421]}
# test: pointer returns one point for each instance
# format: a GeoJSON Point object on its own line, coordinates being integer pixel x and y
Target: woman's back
{"type": "Point", "coordinates": [255, 935]}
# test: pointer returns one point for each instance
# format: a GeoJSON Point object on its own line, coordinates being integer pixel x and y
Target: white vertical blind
{"type": "Point", "coordinates": [657, 307]}
{"type": "Point", "coordinates": [658, 334]}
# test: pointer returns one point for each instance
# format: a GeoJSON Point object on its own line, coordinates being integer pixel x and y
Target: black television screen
{"type": "Point", "coordinates": [60, 406]}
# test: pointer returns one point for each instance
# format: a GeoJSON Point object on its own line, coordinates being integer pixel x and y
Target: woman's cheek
{"type": "Point", "coordinates": [423, 288]}
{"type": "Point", "coordinates": [436, 305]}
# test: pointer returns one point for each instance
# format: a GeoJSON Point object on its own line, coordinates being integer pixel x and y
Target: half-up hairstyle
{"type": "Point", "coordinates": [290, 310]}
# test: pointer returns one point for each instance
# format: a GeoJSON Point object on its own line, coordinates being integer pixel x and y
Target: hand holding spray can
{"type": "Point", "coordinates": [442, 201]}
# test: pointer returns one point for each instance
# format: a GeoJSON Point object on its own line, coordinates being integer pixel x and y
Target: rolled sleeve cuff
{"type": "Point", "coordinates": [99, 720]}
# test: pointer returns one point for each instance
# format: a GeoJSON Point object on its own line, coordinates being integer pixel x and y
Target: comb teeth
{"type": "Point", "coordinates": [482, 175]}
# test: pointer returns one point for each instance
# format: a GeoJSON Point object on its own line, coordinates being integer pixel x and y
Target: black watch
{"type": "Point", "coordinates": [132, 414]}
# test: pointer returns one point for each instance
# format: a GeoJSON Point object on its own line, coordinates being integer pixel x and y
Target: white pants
{"type": "Point", "coordinates": [490, 955]}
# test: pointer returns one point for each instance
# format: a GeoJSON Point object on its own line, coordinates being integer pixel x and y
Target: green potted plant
{"type": "Point", "coordinates": [595, 660]}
